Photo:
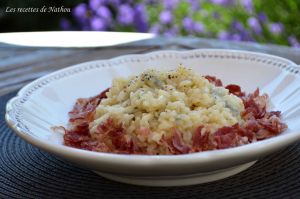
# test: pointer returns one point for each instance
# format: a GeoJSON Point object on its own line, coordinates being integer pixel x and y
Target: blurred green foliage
{"type": "Point", "coordinates": [287, 12]}
{"type": "Point", "coordinates": [218, 18]}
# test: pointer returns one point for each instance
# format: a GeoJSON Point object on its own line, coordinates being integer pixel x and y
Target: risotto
{"type": "Point", "coordinates": [173, 112]}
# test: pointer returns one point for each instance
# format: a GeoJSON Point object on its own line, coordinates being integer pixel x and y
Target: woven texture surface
{"type": "Point", "coordinates": [27, 172]}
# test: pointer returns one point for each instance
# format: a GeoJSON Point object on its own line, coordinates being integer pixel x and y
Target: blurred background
{"type": "Point", "coordinates": [261, 21]}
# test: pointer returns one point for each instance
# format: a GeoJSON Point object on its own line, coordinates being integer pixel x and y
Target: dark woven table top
{"type": "Point", "coordinates": [27, 172]}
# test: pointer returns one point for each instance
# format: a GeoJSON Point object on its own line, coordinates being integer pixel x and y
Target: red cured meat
{"type": "Point", "coordinates": [214, 80]}
{"type": "Point", "coordinates": [177, 142]}
{"type": "Point", "coordinates": [235, 89]}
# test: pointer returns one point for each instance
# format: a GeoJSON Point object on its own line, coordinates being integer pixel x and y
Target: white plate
{"type": "Point", "coordinates": [71, 38]}
{"type": "Point", "coordinates": [45, 103]}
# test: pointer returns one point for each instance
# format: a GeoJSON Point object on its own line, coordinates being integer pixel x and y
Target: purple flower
{"type": "Point", "coordinates": [237, 26]}
{"type": "Point", "coordinates": [65, 24]}
{"type": "Point", "coordinates": [262, 17]}
{"type": "Point", "coordinates": [246, 36]}
{"type": "Point", "coordinates": [195, 4]}
{"type": "Point", "coordinates": [255, 25]}
{"type": "Point", "coordinates": [171, 32]}
{"type": "Point", "coordinates": [188, 24]}
{"type": "Point", "coordinates": [170, 4]}
{"type": "Point", "coordinates": [276, 28]}
{"type": "Point", "coordinates": [97, 24]}
{"type": "Point", "coordinates": [224, 35]}
{"type": "Point", "coordinates": [247, 5]}
{"type": "Point", "coordinates": [129, 2]}
{"type": "Point", "coordinates": [80, 10]}
{"type": "Point", "coordinates": [104, 13]}
{"type": "Point", "coordinates": [85, 27]}
{"type": "Point", "coordinates": [222, 2]}
{"type": "Point", "coordinates": [216, 15]}
{"type": "Point", "coordinates": [150, 2]}
{"type": "Point", "coordinates": [236, 37]}
{"type": "Point", "coordinates": [199, 27]}
{"type": "Point", "coordinates": [140, 18]}
{"type": "Point", "coordinates": [115, 2]}
{"type": "Point", "coordinates": [165, 17]}
{"type": "Point", "coordinates": [155, 29]}
{"type": "Point", "coordinates": [294, 42]}
{"type": "Point", "coordinates": [125, 15]}
{"type": "Point", "coordinates": [94, 4]}
{"type": "Point", "coordinates": [219, 2]}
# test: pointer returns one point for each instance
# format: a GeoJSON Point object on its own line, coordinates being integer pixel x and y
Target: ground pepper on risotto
{"type": "Point", "coordinates": [174, 112]}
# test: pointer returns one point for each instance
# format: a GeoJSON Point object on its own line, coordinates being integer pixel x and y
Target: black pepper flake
{"type": "Point", "coordinates": [193, 106]}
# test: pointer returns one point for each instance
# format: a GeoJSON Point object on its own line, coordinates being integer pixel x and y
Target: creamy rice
{"type": "Point", "coordinates": [152, 104]}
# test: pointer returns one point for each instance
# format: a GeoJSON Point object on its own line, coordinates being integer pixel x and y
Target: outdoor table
{"type": "Point", "coordinates": [27, 172]}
